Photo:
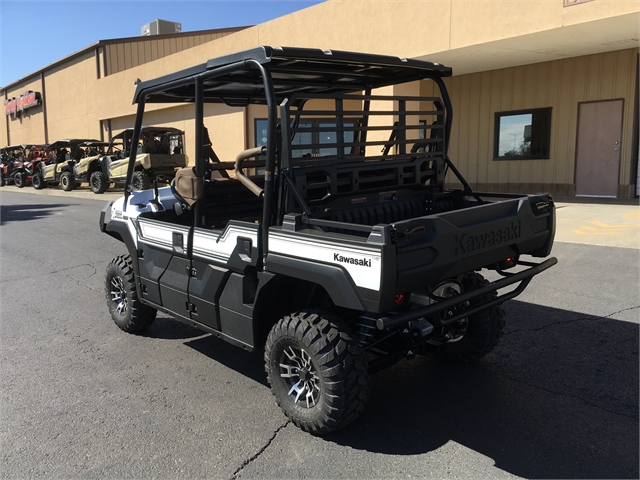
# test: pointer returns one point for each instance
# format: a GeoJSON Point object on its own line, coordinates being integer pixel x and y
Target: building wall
{"type": "Point", "coordinates": [71, 90]}
{"type": "Point", "coordinates": [561, 85]}
{"type": "Point", "coordinates": [86, 94]}
{"type": "Point", "coordinates": [28, 127]}
{"type": "Point", "coordinates": [120, 56]}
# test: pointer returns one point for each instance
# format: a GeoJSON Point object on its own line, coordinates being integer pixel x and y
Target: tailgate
{"type": "Point", "coordinates": [429, 249]}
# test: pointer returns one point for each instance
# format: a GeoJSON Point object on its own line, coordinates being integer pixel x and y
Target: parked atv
{"type": "Point", "coordinates": [160, 151]}
{"type": "Point", "coordinates": [62, 157]}
{"type": "Point", "coordinates": [18, 163]}
{"type": "Point", "coordinates": [85, 168]}
{"type": "Point", "coordinates": [8, 167]}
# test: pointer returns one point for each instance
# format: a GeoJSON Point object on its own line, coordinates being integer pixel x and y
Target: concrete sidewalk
{"type": "Point", "coordinates": [591, 221]}
{"type": "Point", "coordinates": [604, 223]}
{"type": "Point", "coordinates": [81, 192]}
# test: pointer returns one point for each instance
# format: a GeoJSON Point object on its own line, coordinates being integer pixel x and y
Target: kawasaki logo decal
{"type": "Point", "coordinates": [362, 262]}
{"type": "Point", "coordinates": [469, 243]}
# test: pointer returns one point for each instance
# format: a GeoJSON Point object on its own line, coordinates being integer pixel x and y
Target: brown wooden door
{"type": "Point", "coordinates": [598, 148]}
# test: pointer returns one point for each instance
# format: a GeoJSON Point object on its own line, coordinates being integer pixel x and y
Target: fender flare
{"type": "Point", "coordinates": [334, 279]}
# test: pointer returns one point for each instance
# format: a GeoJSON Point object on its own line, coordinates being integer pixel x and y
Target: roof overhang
{"type": "Point", "coordinates": [598, 36]}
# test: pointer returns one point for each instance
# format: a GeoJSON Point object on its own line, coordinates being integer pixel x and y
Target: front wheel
{"type": "Point", "coordinates": [98, 182]}
{"type": "Point", "coordinates": [20, 179]}
{"type": "Point", "coordinates": [141, 181]}
{"type": "Point", "coordinates": [67, 182]}
{"type": "Point", "coordinates": [475, 336]}
{"type": "Point", "coordinates": [127, 311]}
{"type": "Point", "coordinates": [316, 371]}
{"type": "Point", "coordinates": [38, 182]}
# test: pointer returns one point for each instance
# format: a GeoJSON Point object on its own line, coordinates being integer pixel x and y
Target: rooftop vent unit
{"type": "Point", "coordinates": [160, 27]}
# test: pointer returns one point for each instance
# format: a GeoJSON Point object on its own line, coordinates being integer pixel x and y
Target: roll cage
{"type": "Point", "coordinates": [287, 78]}
{"type": "Point", "coordinates": [71, 146]}
{"type": "Point", "coordinates": [124, 139]}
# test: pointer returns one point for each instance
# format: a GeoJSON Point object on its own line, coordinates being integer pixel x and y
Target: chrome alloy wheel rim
{"type": "Point", "coordinates": [298, 372]}
{"type": "Point", "coordinates": [459, 329]}
{"type": "Point", "coordinates": [119, 295]}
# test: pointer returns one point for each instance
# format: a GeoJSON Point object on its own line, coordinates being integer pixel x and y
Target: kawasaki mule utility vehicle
{"type": "Point", "coordinates": [159, 153]}
{"type": "Point", "coordinates": [335, 245]}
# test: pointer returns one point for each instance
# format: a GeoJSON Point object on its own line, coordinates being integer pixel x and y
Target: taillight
{"type": "Point", "coordinates": [508, 262]}
{"type": "Point", "coordinates": [399, 298]}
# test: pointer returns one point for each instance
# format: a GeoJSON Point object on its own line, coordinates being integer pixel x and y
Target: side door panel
{"type": "Point", "coordinates": [49, 172]}
{"type": "Point", "coordinates": [205, 288]}
{"type": "Point", "coordinates": [164, 264]}
{"type": "Point", "coordinates": [174, 287]}
{"type": "Point", "coordinates": [118, 168]}
{"type": "Point", "coordinates": [220, 259]}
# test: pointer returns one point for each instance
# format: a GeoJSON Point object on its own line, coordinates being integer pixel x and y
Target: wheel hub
{"type": "Point", "coordinates": [300, 377]}
{"type": "Point", "coordinates": [457, 331]}
{"type": "Point", "coordinates": [118, 295]}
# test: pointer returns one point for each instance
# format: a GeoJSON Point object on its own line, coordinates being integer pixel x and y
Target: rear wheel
{"type": "Point", "coordinates": [127, 311]}
{"type": "Point", "coordinates": [141, 180]}
{"type": "Point", "coordinates": [475, 336]}
{"type": "Point", "coordinates": [98, 182]}
{"type": "Point", "coordinates": [316, 371]}
{"type": "Point", "coordinates": [38, 182]}
{"type": "Point", "coordinates": [67, 182]}
{"type": "Point", "coordinates": [20, 179]}
{"type": "Point", "coordinates": [2, 182]}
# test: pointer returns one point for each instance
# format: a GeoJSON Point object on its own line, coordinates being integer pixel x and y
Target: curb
{"type": "Point", "coordinates": [80, 192]}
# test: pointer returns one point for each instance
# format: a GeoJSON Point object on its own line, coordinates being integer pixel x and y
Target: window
{"type": "Point", "coordinates": [522, 135]}
{"type": "Point", "coordinates": [303, 142]}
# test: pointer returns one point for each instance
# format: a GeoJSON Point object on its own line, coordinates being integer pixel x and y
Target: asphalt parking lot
{"type": "Point", "coordinates": [558, 398]}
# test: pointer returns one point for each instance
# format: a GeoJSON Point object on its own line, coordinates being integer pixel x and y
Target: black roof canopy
{"type": "Point", "coordinates": [147, 131]}
{"type": "Point", "coordinates": [68, 143]}
{"type": "Point", "coordinates": [235, 80]}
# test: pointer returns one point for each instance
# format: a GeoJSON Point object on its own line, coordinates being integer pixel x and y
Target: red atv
{"type": "Point", "coordinates": [19, 162]}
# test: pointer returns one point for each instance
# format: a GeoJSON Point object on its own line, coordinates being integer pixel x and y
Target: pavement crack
{"type": "Point", "coordinates": [63, 271]}
{"type": "Point", "coordinates": [573, 320]}
{"type": "Point", "coordinates": [261, 451]}
{"type": "Point", "coordinates": [623, 310]}
{"type": "Point", "coordinates": [553, 324]}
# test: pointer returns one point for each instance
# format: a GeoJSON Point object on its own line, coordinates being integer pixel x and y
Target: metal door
{"type": "Point", "coordinates": [598, 148]}
{"type": "Point", "coordinates": [164, 265]}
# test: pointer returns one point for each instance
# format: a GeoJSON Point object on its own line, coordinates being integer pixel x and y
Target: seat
{"type": "Point", "coordinates": [188, 186]}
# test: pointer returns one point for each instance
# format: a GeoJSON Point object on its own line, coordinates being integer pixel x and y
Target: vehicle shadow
{"type": "Point", "coordinates": [166, 327]}
{"type": "Point", "coordinates": [555, 400]}
{"type": "Point", "coordinates": [249, 364]}
{"type": "Point", "coordinates": [16, 213]}
{"type": "Point", "coordinates": [558, 398]}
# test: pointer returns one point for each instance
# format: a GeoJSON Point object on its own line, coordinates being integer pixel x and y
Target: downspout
{"type": "Point", "coordinates": [44, 110]}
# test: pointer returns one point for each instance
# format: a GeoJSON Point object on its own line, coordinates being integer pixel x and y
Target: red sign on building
{"type": "Point", "coordinates": [17, 105]}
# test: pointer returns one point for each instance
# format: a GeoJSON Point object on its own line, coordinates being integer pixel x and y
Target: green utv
{"type": "Point", "coordinates": [159, 152]}
{"type": "Point", "coordinates": [335, 249]}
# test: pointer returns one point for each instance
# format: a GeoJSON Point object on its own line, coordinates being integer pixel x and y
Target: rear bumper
{"type": "Point", "coordinates": [523, 278]}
